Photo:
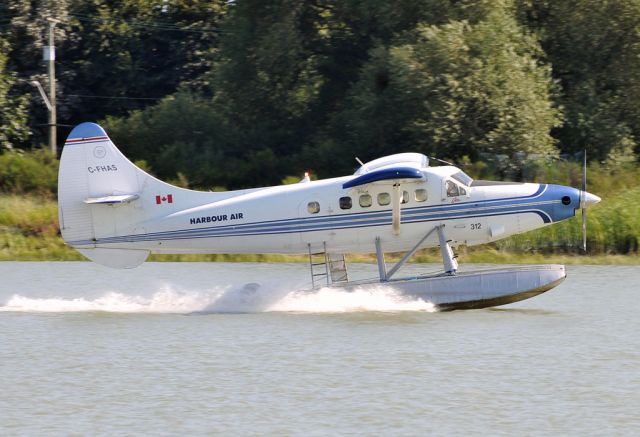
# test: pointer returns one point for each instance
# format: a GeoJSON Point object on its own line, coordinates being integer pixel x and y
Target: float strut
{"type": "Point", "coordinates": [382, 268]}
{"type": "Point", "coordinates": [448, 259]}
{"type": "Point", "coordinates": [409, 254]}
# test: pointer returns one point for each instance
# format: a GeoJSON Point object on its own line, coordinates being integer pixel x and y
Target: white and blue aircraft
{"type": "Point", "coordinates": [116, 214]}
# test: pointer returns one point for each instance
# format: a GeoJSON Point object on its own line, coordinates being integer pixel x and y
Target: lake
{"type": "Point", "coordinates": [189, 348]}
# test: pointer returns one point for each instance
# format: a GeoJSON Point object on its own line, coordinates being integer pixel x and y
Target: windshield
{"type": "Point", "coordinates": [463, 178]}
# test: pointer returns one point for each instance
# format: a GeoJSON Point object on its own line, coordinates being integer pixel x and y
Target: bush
{"type": "Point", "coordinates": [28, 172]}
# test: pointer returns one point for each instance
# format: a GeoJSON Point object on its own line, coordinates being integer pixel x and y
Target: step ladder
{"type": "Point", "coordinates": [326, 268]}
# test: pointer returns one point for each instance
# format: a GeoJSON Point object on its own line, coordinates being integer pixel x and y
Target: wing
{"type": "Point", "coordinates": [400, 174]}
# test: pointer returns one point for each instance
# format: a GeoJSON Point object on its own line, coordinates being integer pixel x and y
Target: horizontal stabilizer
{"type": "Point", "coordinates": [123, 198]}
{"type": "Point", "coordinates": [395, 173]}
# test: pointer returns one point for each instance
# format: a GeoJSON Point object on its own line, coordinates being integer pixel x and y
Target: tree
{"type": "Point", "coordinates": [594, 47]}
{"type": "Point", "coordinates": [23, 24]}
{"type": "Point", "coordinates": [136, 52]}
{"type": "Point", "coordinates": [13, 109]}
{"type": "Point", "coordinates": [451, 90]}
{"type": "Point", "coordinates": [298, 85]}
{"type": "Point", "coordinates": [113, 56]}
{"type": "Point", "coordinates": [177, 135]}
{"type": "Point", "coordinates": [286, 66]}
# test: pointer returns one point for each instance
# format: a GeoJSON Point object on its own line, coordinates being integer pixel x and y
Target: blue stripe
{"type": "Point", "coordinates": [85, 142]}
{"type": "Point", "coordinates": [286, 230]}
{"type": "Point", "coordinates": [364, 215]}
{"type": "Point", "coordinates": [354, 220]}
{"type": "Point", "coordinates": [300, 225]}
{"type": "Point", "coordinates": [371, 214]}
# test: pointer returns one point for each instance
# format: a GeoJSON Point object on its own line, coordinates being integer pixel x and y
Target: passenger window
{"type": "Point", "coordinates": [365, 201]}
{"type": "Point", "coordinates": [405, 197]}
{"type": "Point", "coordinates": [313, 207]}
{"type": "Point", "coordinates": [452, 189]}
{"type": "Point", "coordinates": [463, 192]}
{"type": "Point", "coordinates": [345, 202]}
{"type": "Point", "coordinates": [384, 199]}
{"type": "Point", "coordinates": [421, 195]}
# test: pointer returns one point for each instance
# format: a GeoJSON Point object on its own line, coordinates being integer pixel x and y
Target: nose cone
{"type": "Point", "coordinates": [589, 199]}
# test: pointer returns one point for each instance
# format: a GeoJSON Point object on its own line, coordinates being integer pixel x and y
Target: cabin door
{"type": "Point", "coordinates": [463, 224]}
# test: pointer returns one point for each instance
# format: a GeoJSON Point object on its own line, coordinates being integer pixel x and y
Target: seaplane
{"type": "Point", "coordinates": [116, 214]}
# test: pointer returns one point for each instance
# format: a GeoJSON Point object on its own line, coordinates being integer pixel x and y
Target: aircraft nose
{"type": "Point", "coordinates": [589, 199]}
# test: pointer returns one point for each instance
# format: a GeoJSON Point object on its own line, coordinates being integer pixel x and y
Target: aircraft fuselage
{"type": "Point", "coordinates": [284, 219]}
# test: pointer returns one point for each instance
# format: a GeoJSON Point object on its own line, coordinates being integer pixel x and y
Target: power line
{"type": "Point", "coordinates": [6, 23]}
{"type": "Point", "coordinates": [146, 24]}
{"type": "Point", "coordinates": [88, 96]}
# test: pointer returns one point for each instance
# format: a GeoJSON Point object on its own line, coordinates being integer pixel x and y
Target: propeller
{"type": "Point", "coordinates": [583, 203]}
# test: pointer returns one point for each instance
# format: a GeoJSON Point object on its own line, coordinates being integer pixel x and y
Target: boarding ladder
{"type": "Point", "coordinates": [326, 268]}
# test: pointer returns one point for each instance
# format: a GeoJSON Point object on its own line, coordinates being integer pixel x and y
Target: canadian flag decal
{"type": "Point", "coordinates": [164, 199]}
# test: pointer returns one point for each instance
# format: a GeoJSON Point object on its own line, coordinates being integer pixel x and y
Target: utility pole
{"type": "Point", "coordinates": [49, 55]}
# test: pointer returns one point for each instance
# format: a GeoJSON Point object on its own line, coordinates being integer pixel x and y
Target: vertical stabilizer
{"type": "Point", "coordinates": [98, 188]}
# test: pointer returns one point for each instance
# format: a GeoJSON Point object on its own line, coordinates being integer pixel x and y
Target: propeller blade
{"type": "Point", "coordinates": [583, 204]}
{"type": "Point", "coordinates": [584, 229]}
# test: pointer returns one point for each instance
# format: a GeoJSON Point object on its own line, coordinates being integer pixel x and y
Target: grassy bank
{"type": "Point", "coordinates": [29, 232]}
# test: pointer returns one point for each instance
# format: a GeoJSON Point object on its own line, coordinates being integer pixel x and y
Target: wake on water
{"type": "Point", "coordinates": [248, 298]}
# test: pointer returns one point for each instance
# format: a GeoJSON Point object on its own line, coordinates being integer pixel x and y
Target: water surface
{"type": "Point", "coordinates": [188, 348]}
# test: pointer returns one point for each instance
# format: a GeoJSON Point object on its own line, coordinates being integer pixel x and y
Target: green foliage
{"type": "Point", "coordinates": [13, 110]}
{"type": "Point", "coordinates": [112, 56]}
{"type": "Point", "coordinates": [29, 230]}
{"type": "Point", "coordinates": [613, 227]}
{"type": "Point", "coordinates": [30, 215]}
{"type": "Point", "coordinates": [594, 47]}
{"type": "Point", "coordinates": [452, 90]}
{"type": "Point", "coordinates": [137, 49]}
{"type": "Point", "coordinates": [25, 172]}
{"type": "Point", "coordinates": [216, 94]}
{"type": "Point", "coordinates": [23, 24]}
{"type": "Point", "coordinates": [290, 180]}
{"type": "Point", "coordinates": [179, 135]}
{"type": "Point", "coordinates": [237, 94]}
{"type": "Point", "coordinates": [298, 83]}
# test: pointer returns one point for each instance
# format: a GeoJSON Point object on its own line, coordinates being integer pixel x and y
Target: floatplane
{"type": "Point", "coordinates": [116, 214]}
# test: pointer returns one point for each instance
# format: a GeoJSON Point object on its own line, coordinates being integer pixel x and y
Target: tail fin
{"type": "Point", "coordinates": [99, 193]}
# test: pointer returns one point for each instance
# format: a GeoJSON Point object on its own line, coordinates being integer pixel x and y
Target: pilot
{"type": "Point", "coordinates": [452, 189]}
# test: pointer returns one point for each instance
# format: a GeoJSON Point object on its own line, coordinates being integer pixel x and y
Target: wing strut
{"type": "Point", "coordinates": [396, 199]}
{"type": "Point", "coordinates": [382, 266]}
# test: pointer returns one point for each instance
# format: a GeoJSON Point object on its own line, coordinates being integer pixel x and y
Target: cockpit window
{"type": "Point", "coordinates": [463, 178]}
{"type": "Point", "coordinates": [452, 189]}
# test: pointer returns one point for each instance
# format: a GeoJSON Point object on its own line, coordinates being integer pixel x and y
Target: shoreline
{"type": "Point", "coordinates": [29, 232]}
{"type": "Point", "coordinates": [45, 250]}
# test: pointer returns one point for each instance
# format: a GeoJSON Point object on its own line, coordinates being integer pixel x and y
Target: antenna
{"type": "Point", "coordinates": [359, 162]}
{"type": "Point", "coordinates": [441, 160]}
